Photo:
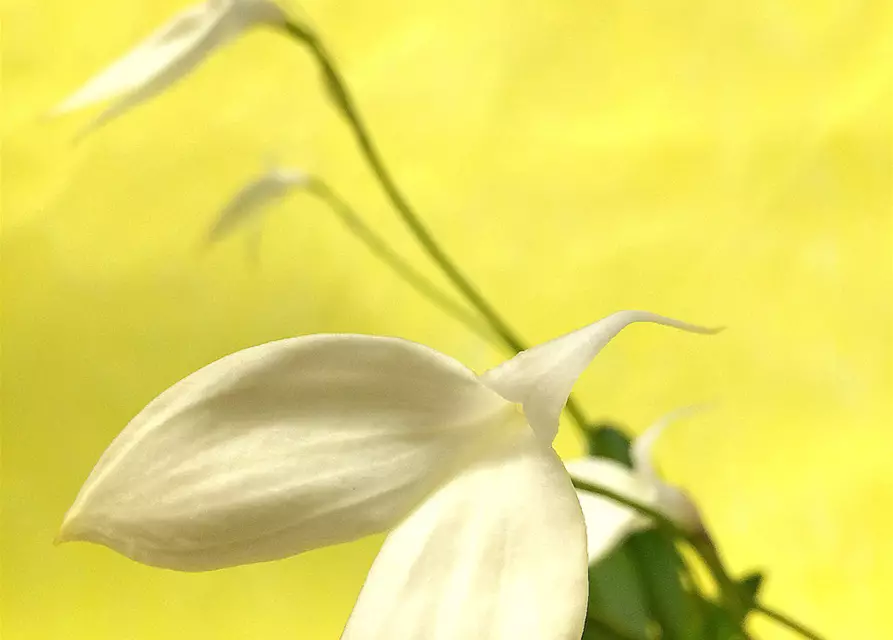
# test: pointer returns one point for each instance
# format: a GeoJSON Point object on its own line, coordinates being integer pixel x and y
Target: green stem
{"type": "Point", "coordinates": [338, 91]}
{"type": "Point", "coordinates": [787, 621]}
{"type": "Point", "coordinates": [403, 269]}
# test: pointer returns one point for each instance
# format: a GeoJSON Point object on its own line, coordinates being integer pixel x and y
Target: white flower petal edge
{"type": "Point", "coordinates": [541, 378]}
{"type": "Point", "coordinates": [253, 197]}
{"type": "Point", "coordinates": [170, 53]}
{"type": "Point", "coordinates": [281, 448]}
{"type": "Point", "coordinates": [497, 552]}
{"type": "Point", "coordinates": [607, 522]}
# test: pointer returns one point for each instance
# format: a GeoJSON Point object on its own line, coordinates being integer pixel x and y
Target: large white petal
{"type": "Point", "coordinates": [170, 53]}
{"type": "Point", "coordinates": [499, 553]}
{"type": "Point", "coordinates": [541, 378]}
{"type": "Point", "coordinates": [281, 448]}
{"type": "Point", "coordinates": [609, 522]}
{"type": "Point", "coordinates": [250, 200]}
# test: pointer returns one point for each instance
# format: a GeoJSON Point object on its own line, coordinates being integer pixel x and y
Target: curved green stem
{"type": "Point", "coordinates": [787, 621]}
{"type": "Point", "coordinates": [337, 89]}
{"type": "Point", "coordinates": [401, 267]}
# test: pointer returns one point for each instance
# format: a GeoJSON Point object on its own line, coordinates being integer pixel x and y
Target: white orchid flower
{"type": "Point", "coordinates": [170, 53]}
{"type": "Point", "coordinates": [265, 189]}
{"type": "Point", "coordinates": [608, 522]}
{"type": "Point", "coordinates": [317, 440]}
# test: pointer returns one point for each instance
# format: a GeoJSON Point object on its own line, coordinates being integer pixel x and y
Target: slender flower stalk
{"type": "Point", "coordinates": [412, 276]}
{"type": "Point", "coordinates": [787, 621]}
{"type": "Point", "coordinates": [277, 182]}
{"type": "Point", "coordinates": [313, 441]}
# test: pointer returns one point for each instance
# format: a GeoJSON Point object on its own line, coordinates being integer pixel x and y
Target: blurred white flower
{"type": "Point", "coordinates": [250, 200]}
{"type": "Point", "coordinates": [170, 53]}
{"type": "Point", "coordinates": [317, 440]}
{"type": "Point", "coordinates": [608, 522]}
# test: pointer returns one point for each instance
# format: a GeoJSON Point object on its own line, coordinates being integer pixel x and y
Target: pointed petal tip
{"type": "Point", "coordinates": [66, 533]}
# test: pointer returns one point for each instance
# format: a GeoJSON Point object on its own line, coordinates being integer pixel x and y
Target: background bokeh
{"type": "Point", "coordinates": [725, 163]}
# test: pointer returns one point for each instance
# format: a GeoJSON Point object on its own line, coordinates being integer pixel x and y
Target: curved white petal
{"type": "Point", "coordinates": [170, 53]}
{"type": "Point", "coordinates": [281, 448]}
{"type": "Point", "coordinates": [497, 554]}
{"type": "Point", "coordinates": [607, 521]}
{"type": "Point", "coordinates": [260, 192]}
{"type": "Point", "coordinates": [541, 378]}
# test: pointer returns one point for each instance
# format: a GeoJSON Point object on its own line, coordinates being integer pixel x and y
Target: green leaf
{"type": "Point", "coordinates": [721, 624]}
{"type": "Point", "coordinates": [616, 596]}
{"type": "Point", "coordinates": [673, 606]}
{"type": "Point", "coordinates": [749, 587]}
{"type": "Point", "coordinates": [606, 441]}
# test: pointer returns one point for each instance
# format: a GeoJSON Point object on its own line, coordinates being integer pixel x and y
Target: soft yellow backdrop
{"type": "Point", "coordinates": [726, 163]}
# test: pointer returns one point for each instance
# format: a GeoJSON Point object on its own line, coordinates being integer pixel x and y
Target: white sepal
{"type": "Point", "coordinates": [541, 378]}
{"type": "Point", "coordinates": [281, 448]}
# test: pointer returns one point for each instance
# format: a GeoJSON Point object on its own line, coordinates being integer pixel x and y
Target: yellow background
{"type": "Point", "coordinates": [722, 162]}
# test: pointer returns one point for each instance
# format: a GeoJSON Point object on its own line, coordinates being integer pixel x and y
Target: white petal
{"type": "Point", "coordinates": [281, 448]}
{"type": "Point", "coordinates": [170, 53]}
{"type": "Point", "coordinates": [497, 554]}
{"type": "Point", "coordinates": [609, 522]}
{"type": "Point", "coordinates": [541, 378]}
{"type": "Point", "coordinates": [250, 200]}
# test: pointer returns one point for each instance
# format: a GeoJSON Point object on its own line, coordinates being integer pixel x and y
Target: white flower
{"type": "Point", "coordinates": [317, 440]}
{"type": "Point", "coordinates": [608, 522]}
{"type": "Point", "coordinates": [170, 53]}
{"type": "Point", "coordinates": [268, 187]}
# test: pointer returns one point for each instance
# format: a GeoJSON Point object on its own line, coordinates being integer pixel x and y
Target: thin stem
{"type": "Point", "coordinates": [338, 91]}
{"type": "Point", "coordinates": [728, 588]}
{"type": "Point", "coordinates": [660, 519]}
{"type": "Point", "coordinates": [400, 266]}
{"type": "Point", "coordinates": [787, 621]}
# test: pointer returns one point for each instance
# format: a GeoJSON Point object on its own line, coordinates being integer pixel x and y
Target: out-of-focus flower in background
{"type": "Point", "coordinates": [608, 522]}
{"type": "Point", "coordinates": [250, 201]}
{"type": "Point", "coordinates": [170, 53]}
